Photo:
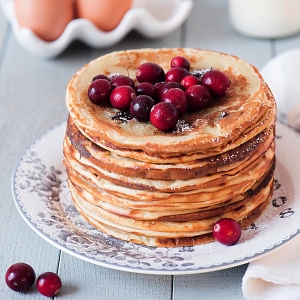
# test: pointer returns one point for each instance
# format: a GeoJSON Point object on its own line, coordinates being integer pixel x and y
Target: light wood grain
{"type": "Point", "coordinates": [3, 29]}
{"type": "Point", "coordinates": [85, 280]}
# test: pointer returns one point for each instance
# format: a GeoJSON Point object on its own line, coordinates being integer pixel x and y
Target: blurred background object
{"type": "Point", "coordinates": [105, 14]}
{"type": "Point", "coordinates": [46, 18]}
{"type": "Point", "coordinates": [152, 19]}
{"type": "Point", "coordinates": [265, 18]}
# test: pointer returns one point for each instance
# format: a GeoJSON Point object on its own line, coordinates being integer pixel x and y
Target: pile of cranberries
{"type": "Point", "coordinates": [160, 97]}
{"type": "Point", "coordinates": [20, 277]}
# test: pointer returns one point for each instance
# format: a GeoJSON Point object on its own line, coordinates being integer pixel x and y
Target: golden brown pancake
{"type": "Point", "coordinates": [167, 189]}
{"type": "Point", "coordinates": [83, 148]}
{"type": "Point", "coordinates": [247, 109]}
{"type": "Point", "coordinates": [174, 231]}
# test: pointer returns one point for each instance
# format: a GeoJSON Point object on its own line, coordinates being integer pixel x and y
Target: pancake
{"type": "Point", "coordinates": [84, 149]}
{"type": "Point", "coordinates": [185, 214]}
{"type": "Point", "coordinates": [244, 171]}
{"type": "Point", "coordinates": [168, 188]}
{"type": "Point", "coordinates": [247, 109]}
{"type": "Point", "coordinates": [244, 215]}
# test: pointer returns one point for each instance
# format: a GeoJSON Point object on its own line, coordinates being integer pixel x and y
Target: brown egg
{"type": "Point", "coordinates": [105, 14]}
{"type": "Point", "coordinates": [46, 18]}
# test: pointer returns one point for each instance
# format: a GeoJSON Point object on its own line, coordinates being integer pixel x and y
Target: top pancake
{"type": "Point", "coordinates": [247, 109]}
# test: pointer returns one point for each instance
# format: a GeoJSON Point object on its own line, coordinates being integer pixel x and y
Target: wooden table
{"type": "Point", "coordinates": [32, 92]}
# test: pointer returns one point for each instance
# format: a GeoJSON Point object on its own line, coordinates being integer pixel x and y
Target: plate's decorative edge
{"type": "Point", "coordinates": [168, 269]}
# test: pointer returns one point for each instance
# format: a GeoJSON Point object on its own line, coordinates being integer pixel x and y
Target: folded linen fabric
{"type": "Point", "coordinates": [282, 75]}
{"type": "Point", "coordinates": [276, 276]}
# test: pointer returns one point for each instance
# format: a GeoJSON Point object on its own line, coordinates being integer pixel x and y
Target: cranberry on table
{"type": "Point", "coordinates": [99, 91]}
{"type": "Point", "coordinates": [216, 82]}
{"type": "Point", "coordinates": [180, 61]}
{"type": "Point", "coordinates": [168, 86]}
{"type": "Point", "coordinates": [189, 81]}
{"type": "Point", "coordinates": [198, 97]}
{"type": "Point", "coordinates": [164, 116]}
{"type": "Point", "coordinates": [176, 74]}
{"type": "Point", "coordinates": [147, 88]}
{"type": "Point", "coordinates": [141, 106]}
{"type": "Point", "coordinates": [150, 72]}
{"type": "Point", "coordinates": [120, 80]}
{"type": "Point", "coordinates": [178, 98]}
{"type": "Point", "coordinates": [122, 96]}
{"type": "Point", "coordinates": [227, 231]}
{"type": "Point", "coordinates": [48, 284]}
{"type": "Point", "coordinates": [20, 277]}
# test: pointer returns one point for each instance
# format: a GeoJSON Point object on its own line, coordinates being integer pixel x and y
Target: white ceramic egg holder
{"type": "Point", "coordinates": [152, 19]}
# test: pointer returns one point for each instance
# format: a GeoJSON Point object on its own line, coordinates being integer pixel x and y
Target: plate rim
{"type": "Point", "coordinates": [117, 266]}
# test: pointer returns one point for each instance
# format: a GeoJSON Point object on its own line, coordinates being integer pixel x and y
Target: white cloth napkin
{"type": "Point", "coordinates": [282, 74]}
{"type": "Point", "coordinates": [276, 276]}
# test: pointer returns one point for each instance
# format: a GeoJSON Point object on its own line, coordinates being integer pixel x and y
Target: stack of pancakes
{"type": "Point", "coordinates": [166, 189]}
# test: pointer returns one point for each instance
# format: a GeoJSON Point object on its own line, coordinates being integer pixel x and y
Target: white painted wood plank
{"type": "Point", "coordinates": [285, 44]}
{"type": "Point", "coordinates": [224, 284]}
{"type": "Point", "coordinates": [19, 243]}
{"type": "Point", "coordinates": [3, 27]}
{"type": "Point", "coordinates": [86, 281]}
{"type": "Point", "coordinates": [135, 41]}
{"type": "Point", "coordinates": [31, 101]}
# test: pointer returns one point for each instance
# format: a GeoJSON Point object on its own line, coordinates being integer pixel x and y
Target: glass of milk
{"type": "Point", "coordinates": [265, 18]}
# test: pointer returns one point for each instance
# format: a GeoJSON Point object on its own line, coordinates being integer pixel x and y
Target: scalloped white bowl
{"type": "Point", "coordinates": [152, 19]}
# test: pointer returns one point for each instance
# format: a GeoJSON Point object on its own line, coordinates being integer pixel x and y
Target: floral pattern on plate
{"type": "Point", "coordinates": [42, 198]}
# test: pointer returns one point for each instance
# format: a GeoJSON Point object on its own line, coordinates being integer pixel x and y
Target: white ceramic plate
{"type": "Point", "coordinates": [42, 198]}
{"type": "Point", "coordinates": [153, 19]}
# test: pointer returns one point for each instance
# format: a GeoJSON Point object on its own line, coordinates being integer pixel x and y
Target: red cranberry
{"type": "Point", "coordinates": [20, 277]}
{"type": "Point", "coordinates": [113, 75]}
{"type": "Point", "coordinates": [119, 80]}
{"type": "Point", "coordinates": [121, 97]}
{"type": "Point", "coordinates": [164, 116]}
{"type": "Point", "coordinates": [198, 97]}
{"type": "Point", "coordinates": [140, 107]}
{"type": "Point", "coordinates": [100, 76]}
{"type": "Point", "coordinates": [48, 284]}
{"type": "Point", "coordinates": [99, 91]}
{"type": "Point", "coordinates": [159, 85]}
{"type": "Point", "coordinates": [168, 86]}
{"type": "Point", "coordinates": [176, 74]}
{"type": "Point", "coordinates": [180, 61]}
{"type": "Point", "coordinates": [227, 231]}
{"type": "Point", "coordinates": [216, 81]}
{"type": "Point", "coordinates": [146, 88]}
{"type": "Point", "coordinates": [178, 98]}
{"type": "Point", "coordinates": [150, 72]}
{"type": "Point", "coordinates": [189, 81]}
